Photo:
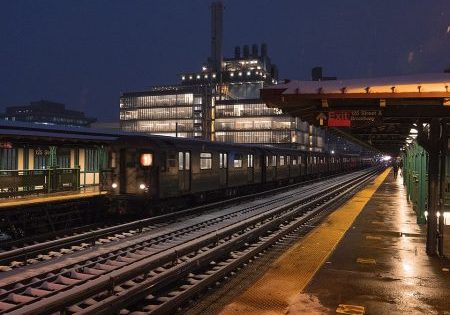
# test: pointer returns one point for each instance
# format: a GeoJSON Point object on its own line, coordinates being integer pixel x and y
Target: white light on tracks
{"type": "Point", "coordinates": [142, 186]}
{"type": "Point", "coordinates": [114, 185]}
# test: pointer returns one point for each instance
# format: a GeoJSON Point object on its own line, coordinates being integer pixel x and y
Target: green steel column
{"type": "Point", "coordinates": [52, 160]}
{"type": "Point", "coordinates": [423, 187]}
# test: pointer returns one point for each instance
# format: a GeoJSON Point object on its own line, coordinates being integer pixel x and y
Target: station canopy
{"type": "Point", "coordinates": [378, 112]}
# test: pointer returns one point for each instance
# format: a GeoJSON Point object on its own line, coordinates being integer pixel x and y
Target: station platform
{"type": "Point", "coordinates": [367, 257]}
{"type": "Point", "coordinates": [87, 192]}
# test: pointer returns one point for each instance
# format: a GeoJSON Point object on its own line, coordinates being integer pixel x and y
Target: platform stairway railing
{"type": "Point", "coordinates": [16, 183]}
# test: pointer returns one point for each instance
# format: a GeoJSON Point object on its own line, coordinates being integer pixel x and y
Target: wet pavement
{"type": "Point", "coordinates": [380, 266]}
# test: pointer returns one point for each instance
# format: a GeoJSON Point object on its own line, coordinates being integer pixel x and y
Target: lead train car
{"type": "Point", "coordinates": [159, 168]}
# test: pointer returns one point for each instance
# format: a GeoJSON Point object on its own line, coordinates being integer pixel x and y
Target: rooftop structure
{"type": "Point", "coordinates": [47, 112]}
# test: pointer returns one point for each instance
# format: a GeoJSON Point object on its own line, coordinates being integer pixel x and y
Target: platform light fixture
{"type": "Point", "coordinates": [142, 186]}
{"type": "Point", "coordinates": [114, 185]}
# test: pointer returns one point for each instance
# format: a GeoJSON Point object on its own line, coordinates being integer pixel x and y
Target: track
{"type": "Point", "coordinates": [133, 266]}
{"type": "Point", "coordinates": [24, 254]}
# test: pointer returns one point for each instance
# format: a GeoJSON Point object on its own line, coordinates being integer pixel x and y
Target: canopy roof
{"type": "Point", "coordinates": [378, 111]}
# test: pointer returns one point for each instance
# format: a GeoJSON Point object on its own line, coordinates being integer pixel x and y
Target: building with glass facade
{"type": "Point", "coordinates": [220, 106]}
{"type": "Point", "coordinates": [176, 111]}
{"type": "Point", "coordinates": [48, 113]}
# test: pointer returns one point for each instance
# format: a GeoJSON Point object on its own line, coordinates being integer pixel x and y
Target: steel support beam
{"type": "Point", "coordinates": [433, 147]}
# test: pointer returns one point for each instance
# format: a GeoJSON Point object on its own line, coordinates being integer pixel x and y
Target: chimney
{"type": "Point", "coordinates": [246, 51]}
{"type": "Point", "coordinates": [316, 73]}
{"type": "Point", "coordinates": [254, 50]}
{"type": "Point", "coordinates": [263, 50]}
{"type": "Point", "coordinates": [216, 35]}
{"type": "Point", "coordinates": [237, 52]}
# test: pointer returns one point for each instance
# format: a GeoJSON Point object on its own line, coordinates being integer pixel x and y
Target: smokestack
{"type": "Point", "coordinates": [254, 50]}
{"type": "Point", "coordinates": [316, 73]}
{"type": "Point", "coordinates": [237, 52]}
{"type": "Point", "coordinates": [264, 50]}
{"type": "Point", "coordinates": [216, 35]}
{"type": "Point", "coordinates": [246, 51]}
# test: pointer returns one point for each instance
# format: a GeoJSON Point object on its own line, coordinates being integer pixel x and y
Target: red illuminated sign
{"type": "Point", "coordinates": [339, 119]}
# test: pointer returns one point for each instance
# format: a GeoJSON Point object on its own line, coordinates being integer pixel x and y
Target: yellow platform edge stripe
{"type": "Point", "coordinates": [288, 276]}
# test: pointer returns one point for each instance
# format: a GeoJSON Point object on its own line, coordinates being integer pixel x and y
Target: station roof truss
{"type": "Point", "coordinates": [379, 112]}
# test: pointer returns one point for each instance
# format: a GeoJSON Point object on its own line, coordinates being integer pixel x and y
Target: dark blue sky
{"type": "Point", "coordinates": [84, 53]}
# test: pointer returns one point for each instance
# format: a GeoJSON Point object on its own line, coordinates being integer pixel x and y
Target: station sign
{"type": "Point", "coordinates": [353, 118]}
{"type": "Point", "coordinates": [5, 145]}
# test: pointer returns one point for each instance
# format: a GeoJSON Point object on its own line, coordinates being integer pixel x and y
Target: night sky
{"type": "Point", "coordinates": [84, 53]}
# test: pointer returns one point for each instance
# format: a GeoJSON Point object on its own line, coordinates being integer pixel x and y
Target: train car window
{"type": "Point", "coordinates": [299, 159]}
{"type": "Point", "coordinates": [250, 160]}
{"type": "Point", "coordinates": [205, 161]}
{"type": "Point", "coordinates": [237, 162]}
{"type": "Point", "coordinates": [184, 161]}
{"type": "Point", "coordinates": [113, 160]}
{"type": "Point", "coordinates": [267, 160]}
{"type": "Point", "coordinates": [282, 160]}
{"type": "Point", "coordinates": [146, 159]}
{"type": "Point", "coordinates": [274, 160]}
{"type": "Point", "coordinates": [223, 160]}
{"type": "Point", "coordinates": [187, 161]}
{"type": "Point", "coordinates": [294, 160]}
{"type": "Point", "coordinates": [180, 161]}
{"type": "Point", "coordinates": [288, 160]}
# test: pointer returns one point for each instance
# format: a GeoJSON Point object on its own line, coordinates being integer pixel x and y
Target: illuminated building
{"type": "Point", "coordinates": [221, 102]}
{"type": "Point", "coordinates": [175, 111]}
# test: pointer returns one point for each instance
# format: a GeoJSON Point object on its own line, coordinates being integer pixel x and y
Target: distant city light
{"type": "Point", "coordinates": [240, 74]}
{"type": "Point", "coordinates": [248, 72]}
{"type": "Point", "coordinates": [332, 151]}
{"type": "Point", "coordinates": [214, 75]}
{"type": "Point", "coordinates": [386, 158]}
{"type": "Point", "coordinates": [183, 78]}
{"type": "Point", "coordinates": [198, 76]}
{"type": "Point", "coordinates": [232, 74]}
{"type": "Point", "coordinates": [190, 77]}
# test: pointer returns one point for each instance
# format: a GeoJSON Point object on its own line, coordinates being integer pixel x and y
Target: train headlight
{"type": "Point", "coordinates": [114, 185]}
{"type": "Point", "coordinates": [142, 186]}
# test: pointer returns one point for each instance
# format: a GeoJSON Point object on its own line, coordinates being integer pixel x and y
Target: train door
{"type": "Point", "coordinates": [250, 168]}
{"type": "Point", "coordinates": [123, 171]}
{"type": "Point", "coordinates": [184, 171]}
{"type": "Point", "coordinates": [223, 169]}
{"type": "Point", "coordinates": [264, 162]}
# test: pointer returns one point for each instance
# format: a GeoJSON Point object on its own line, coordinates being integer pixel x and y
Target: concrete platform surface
{"type": "Point", "coordinates": [380, 266]}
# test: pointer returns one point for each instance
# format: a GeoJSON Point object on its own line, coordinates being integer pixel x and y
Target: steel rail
{"type": "Point", "coordinates": [32, 251]}
{"type": "Point", "coordinates": [78, 292]}
{"type": "Point", "coordinates": [17, 287]}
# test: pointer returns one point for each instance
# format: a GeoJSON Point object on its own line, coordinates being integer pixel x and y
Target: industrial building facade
{"type": "Point", "coordinates": [221, 102]}
{"type": "Point", "coordinates": [220, 106]}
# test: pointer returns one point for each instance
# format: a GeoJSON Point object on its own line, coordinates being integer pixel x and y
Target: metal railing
{"type": "Point", "coordinates": [14, 183]}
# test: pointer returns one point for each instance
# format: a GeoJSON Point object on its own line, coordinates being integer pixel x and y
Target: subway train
{"type": "Point", "coordinates": [161, 168]}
